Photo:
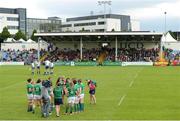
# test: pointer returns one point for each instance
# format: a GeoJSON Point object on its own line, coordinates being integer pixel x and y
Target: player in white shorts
{"type": "Point", "coordinates": [38, 67]}
{"type": "Point", "coordinates": [82, 87]}
{"type": "Point", "coordinates": [32, 68]}
{"type": "Point", "coordinates": [30, 89]}
{"type": "Point", "coordinates": [70, 93]}
{"type": "Point", "coordinates": [47, 62]}
{"type": "Point", "coordinates": [51, 65]}
{"type": "Point", "coordinates": [77, 97]}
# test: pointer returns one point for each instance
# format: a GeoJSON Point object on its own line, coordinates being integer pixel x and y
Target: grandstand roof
{"type": "Point", "coordinates": [146, 36]}
{"type": "Point", "coordinates": [98, 34]}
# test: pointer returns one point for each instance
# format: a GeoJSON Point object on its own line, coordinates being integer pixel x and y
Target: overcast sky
{"type": "Point", "coordinates": [150, 13]}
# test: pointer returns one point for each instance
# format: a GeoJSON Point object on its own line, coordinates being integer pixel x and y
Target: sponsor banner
{"type": "Point", "coordinates": [108, 63]}
{"type": "Point", "coordinates": [89, 63]}
{"type": "Point", "coordinates": [161, 63]}
{"type": "Point", "coordinates": [11, 63]}
{"type": "Point", "coordinates": [85, 63]}
{"type": "Point", "coordinates": [137, 63]}
{"type": "Point", "coordinates": [62, 63]}
{"type": "Point", "coordinates": [72, 63]}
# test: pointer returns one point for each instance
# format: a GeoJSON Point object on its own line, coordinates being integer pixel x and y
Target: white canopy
{"type": "Point", "coordinates": [10, 40]}
{"type": "Point", "coordinates": [30, 41]}
{"type": "Point", "coordinates": [21, 40]}
{"type": "Point", "coordinates": [168, 38]}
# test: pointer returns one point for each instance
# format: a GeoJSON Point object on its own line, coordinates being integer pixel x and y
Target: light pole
{"type": "Point", "coordinates": [104, 3]}
{"type": "Point", "coordinates": [39, 40]}
{"type": "Point", "coordinates": [162, 43]}
{"type": "Point", "coordinates": [165, 13]}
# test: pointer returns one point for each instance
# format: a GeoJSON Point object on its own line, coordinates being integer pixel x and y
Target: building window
{"type": "Point", "coordinates": [85, 24]}
{"type": "Point", "coordinates": [99, 30]}
{"type": "Point", "coordinates": [12, 19]}
{"type": "Point", "coordinates": [12, 27]}
{"type": "Point", "coordinates": [66, 25]}
{"type": "Point", "coordinates": [101, 23]}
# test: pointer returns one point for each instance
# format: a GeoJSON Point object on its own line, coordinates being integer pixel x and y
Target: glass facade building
{"type": "Point", "coordinates": [52, 24]}
{"type": "Point", "coordinates": [21, 12]}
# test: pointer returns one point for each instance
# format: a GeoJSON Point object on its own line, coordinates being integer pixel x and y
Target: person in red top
{"type": "Point", "coordinates": [92, 90]}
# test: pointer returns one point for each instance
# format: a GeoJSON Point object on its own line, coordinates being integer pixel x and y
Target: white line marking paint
{"type": "Point", "coordinates": [130, 85]}
{"type": "Point", "coordinates": [121, 100]}
{"type": "Point", "coordinates": [137, 74]}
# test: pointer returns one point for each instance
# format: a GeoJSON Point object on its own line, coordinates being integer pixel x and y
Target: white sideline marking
{"type": "Point", "coordinates": [130, 85]}
{"type": "Point", "coordinates": [137, 74]}
{"type": "Point", "coordinates": [121, 100]}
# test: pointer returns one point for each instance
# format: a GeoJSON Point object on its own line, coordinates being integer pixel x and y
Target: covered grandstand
{"type": "Point", "coordinates": [108, 40]}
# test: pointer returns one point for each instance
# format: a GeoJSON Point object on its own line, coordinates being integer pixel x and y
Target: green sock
{"type": "Point", "coordinates": [67, 108]}
{"type": "Point", "coordinates": [71, 108]}
{"type": "Point", "coordinates": [28, 108]}
{"type": "Point", "coordinates": [75, 108]}
{"type": "Point", "coordinates": [82, 106]}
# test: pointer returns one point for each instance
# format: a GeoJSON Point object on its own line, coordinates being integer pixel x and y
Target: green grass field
{"type": "Point", "coordinates": [123, 93]}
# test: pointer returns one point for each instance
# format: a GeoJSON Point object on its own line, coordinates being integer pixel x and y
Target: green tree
{"type": "Point", "coordinates": [5, 34]}
{"type": "Point", "coordinates": [34, 37]}
{"type": "Point", "coordinates": [20, 35]}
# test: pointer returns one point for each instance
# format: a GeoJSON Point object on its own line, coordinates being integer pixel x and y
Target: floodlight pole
{"type": "Point", "coordinates": [39, 49]}
{"type": "Point", "coordinates": [104, 3]}
{"type": "Point", "coordinates": [116, 47]}
{"type": "Point", "coordinates": [81, 46]}
{"type": "Point", "coordinates": [161, 51]}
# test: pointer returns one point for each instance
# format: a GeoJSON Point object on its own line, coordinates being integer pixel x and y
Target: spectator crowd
{"type": "Point", "coordinates": [26, 56]}
{"type": "Point", "coordinates": [125, 55]}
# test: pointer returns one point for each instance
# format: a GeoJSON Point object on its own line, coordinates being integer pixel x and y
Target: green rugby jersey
{"type": "Point", "coordinates": [82, 86]}
{"type": "Point", "coordinates": [37, 89]}
{"type": "Point", "coordinates": [76, 87]}
{"type": "Point", "coordinates": [29, 86]}
{"type": "Point", "coordinates": [58, 91]}
{"type": "Point", "coordinates": [71, 92]}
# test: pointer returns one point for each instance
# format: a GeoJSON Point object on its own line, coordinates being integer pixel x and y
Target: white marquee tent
{"type": "Point", "coordinates": [9, 40]}
{"type": "Point", "coordinates": [30, 41]}
{"type": "Point", "coordinates": [21, 40]}
{"type": "Point", "coordinates": [168, 38]}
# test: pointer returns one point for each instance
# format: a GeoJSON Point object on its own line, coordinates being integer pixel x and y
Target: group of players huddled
{"type": "Point", "coordinates": [49, 66]}
{"type": "Point", "coordinates": [68, 92]}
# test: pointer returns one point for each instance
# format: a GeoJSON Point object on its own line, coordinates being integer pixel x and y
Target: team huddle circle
{"type": "Point", "coordinates": [67, 91]}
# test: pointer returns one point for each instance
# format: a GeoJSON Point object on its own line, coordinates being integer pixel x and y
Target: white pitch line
{"type": "Point", "coordinates": [130, 85]}
{"type": "Point", "coordinates": [137, 74]}
{"type": "Point", "coordinates": [121, 100]}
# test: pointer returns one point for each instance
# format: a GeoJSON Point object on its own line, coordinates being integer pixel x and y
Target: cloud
{"type": "Point", "coordinates": [156, 11]}
{"type": "Point", "coordinates": [149, 12]}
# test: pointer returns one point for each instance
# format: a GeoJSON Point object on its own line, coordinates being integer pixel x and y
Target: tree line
{"type": "Point", "coordinates": [19, 35]}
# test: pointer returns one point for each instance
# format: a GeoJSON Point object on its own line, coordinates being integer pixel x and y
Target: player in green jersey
{"type": "Point", "coordinates": [82, 87]}
{"type": "Point", "coordinates": [58, 92]}
{"type": "Point", "coordinates": [30, 89]}
{"type": "Point", "coordinates": [70, 93]}
{"type": "Point", "coordinates": [37, 93]}
{"type": "Point", "coordinates": [77, 97]}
